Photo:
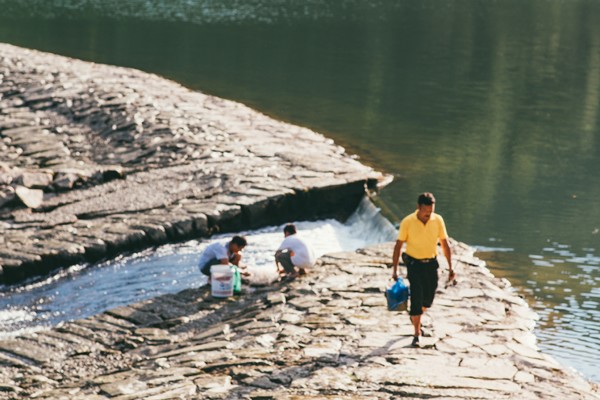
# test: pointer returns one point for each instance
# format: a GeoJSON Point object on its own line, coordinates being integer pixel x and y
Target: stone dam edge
{"type": "Point", "coordinates": [98, 160]}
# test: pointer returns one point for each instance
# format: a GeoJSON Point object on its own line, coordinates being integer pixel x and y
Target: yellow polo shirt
{"type": "Point", "coordinates": [421, 239]}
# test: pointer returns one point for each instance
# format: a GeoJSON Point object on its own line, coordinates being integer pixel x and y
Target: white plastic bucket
{"type": "Point", "coordinates": [221, 280]}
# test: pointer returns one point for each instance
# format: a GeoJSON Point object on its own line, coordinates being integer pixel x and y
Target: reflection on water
{"type": "Point", "coordinates": [563, 288]}
{"type": "Point", "coordinates": [492, 105]}
{"type": "Point", "coordinates": [204, 11]}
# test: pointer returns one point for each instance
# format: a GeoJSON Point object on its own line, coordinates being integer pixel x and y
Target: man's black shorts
{"type": "Point", "coordinates": [423, 278]}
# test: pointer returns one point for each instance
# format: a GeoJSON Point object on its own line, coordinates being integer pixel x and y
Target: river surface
{"type": "Point", "coordinates": [493, 106]}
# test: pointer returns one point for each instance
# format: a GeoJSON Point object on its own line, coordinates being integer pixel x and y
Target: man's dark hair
{"type": "Point", "coordinates": [290, 229]}
{"type": "Point", "coordinates": [239, 240]}
{"type": "Point", "coordinates": [426, 199]}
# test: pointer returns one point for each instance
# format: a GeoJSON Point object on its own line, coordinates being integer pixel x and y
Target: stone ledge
{"type": "Point", "coordinates": [308, 339]}
{"type": "Point", "coordinates": [98, 160]}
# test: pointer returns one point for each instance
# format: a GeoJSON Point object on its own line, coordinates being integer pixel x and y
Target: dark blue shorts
{"type": "Point", "coordinates": [285, 259]}
{"type": "Point", "coordinates": [206, 268]}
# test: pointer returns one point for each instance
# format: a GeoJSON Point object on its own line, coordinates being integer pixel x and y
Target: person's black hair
{"type": "Point", "coordinates": [239, 240]}
{"type": "Point", "coordinates": [290, 229]}
{"type": "Point", "coordinates": [426, 199]}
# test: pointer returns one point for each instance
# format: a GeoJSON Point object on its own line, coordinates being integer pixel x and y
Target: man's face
{"type": "Point", "coordinates": [234, 248]}
{"type": "Point", "coordinates": [424, 212]}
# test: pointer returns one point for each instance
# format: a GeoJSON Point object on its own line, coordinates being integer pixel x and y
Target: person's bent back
{"type": "Point", "coordinates": [222, 253]}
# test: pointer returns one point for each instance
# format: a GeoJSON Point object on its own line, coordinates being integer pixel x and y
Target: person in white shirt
{"type": "Point", "coordinates": [294, 255]}
{"type": "Point", "coordinates": [222, 253]}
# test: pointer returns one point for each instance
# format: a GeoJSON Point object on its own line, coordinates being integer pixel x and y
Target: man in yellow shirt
{"type": "Point", "coordinates": [421, 231]}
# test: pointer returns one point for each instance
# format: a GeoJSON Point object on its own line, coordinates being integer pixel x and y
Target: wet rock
{"type": "Point", "coordinates": [138, 317]}
{"type": "Point", "coordinates": [156, 233]}
{"type": "Point", "coordinates": [95, 249]}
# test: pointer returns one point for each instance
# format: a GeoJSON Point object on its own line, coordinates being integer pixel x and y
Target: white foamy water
{"type": "Point", "coordinates": [81, 291]}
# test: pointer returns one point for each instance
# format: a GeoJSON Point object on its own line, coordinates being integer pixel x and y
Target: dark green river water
{"type": "Point", "coordinates": [491, 105]}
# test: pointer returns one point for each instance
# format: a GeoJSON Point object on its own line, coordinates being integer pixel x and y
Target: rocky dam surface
{"type": "Point", "coordinates": [97, 160]}
{"type": "Point", "coordinates": [325, 335]}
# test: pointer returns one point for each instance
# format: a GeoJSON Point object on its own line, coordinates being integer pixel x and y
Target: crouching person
{"type": "Point", "coordinates": [222, 253]}
{"type": "Point", "coordinates": [294, 256]}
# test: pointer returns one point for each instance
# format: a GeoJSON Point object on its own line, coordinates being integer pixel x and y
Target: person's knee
{"type": "Point", "coordinates": [279, 255]}
{"type": "Point", "coordinates": [415, 309]}
{"type": "Point", "coordinates": [206, 269]}
{"type": "Point", "coordinates": [286, 262]}
{"type": "Point", "coordinates": [236, 258]}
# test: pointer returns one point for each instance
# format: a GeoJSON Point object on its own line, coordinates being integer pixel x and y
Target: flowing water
{"type": "Point", "coordinates": [85, 290]}
{"type": "Point", "coordinates": [492, 105]}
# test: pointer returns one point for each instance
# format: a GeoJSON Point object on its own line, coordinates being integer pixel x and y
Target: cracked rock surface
{"type": "Point", "coordinates": [96, 160]}
{"type": "Point", "coordinates": [326, 335]}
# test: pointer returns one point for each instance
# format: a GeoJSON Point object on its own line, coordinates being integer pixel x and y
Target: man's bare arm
{"type": "Point", "coordinates": [396, 258]}
{"type": "Point", "coordinates": [448, 255]}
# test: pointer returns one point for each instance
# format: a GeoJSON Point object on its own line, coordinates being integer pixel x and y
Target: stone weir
{"type": "Point", "coordinates": [325, 335]}
{"type": "Point", "coordinates": [97, 160]}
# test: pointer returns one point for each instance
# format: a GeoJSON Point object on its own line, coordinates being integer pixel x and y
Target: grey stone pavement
{"type": "Point", "coordinates": [326, 335]}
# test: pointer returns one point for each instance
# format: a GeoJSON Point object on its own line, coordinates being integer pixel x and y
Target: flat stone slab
{"type": "Point", "coordinates": [114, 160]}
{"type": "Point", "coordinates": [337, 345]}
